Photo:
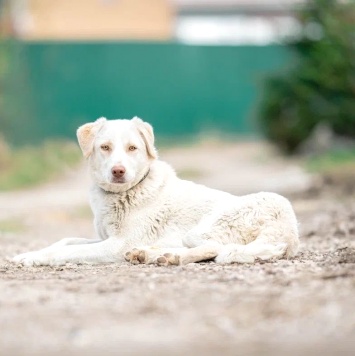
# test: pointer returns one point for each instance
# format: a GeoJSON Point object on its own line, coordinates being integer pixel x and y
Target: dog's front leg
{"type": "Point", "coordinates": [74, 241]}
{"type": "Point", "coordinates": [107, 251]}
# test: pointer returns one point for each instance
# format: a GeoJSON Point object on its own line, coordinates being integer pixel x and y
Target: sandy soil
{"type": "Point", "coordinates": [300, 306]}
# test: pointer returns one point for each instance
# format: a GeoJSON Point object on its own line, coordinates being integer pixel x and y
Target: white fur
{"type": "Point", "coordinates": [155, 217]}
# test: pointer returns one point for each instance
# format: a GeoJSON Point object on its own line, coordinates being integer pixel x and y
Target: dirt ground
{"type": "Point", "coordinates": [303, 306]}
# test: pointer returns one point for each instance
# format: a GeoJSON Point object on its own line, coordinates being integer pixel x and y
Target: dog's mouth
{"type": "Point", "coordinates": [118, 180]}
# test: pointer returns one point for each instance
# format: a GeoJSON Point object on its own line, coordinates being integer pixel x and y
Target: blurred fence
{"type": "Point", "coordinates": [180, 89]}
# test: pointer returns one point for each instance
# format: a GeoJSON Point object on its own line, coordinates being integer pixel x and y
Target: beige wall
{"type": "Point", "coordinates": [98, 19]}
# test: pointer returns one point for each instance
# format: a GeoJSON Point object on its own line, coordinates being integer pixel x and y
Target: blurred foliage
{"type": "Point", "coordinates": [14, 107]}
{"type": "Point", "coordinates": [28, 166]}
{"type": "Point", "coordinates": [320, 88]}
{"type": "Point", "coordinates": [15, 99]}
{"type": "Point", "coordinates": [3, 61]}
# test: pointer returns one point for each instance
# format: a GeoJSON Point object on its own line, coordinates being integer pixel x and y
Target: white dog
{"type": "Point", "coordinates": [145, 214]}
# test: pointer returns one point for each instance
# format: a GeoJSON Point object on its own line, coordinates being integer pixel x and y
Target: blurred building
{"type": "Point", "coordinates": [188, 21]}
{"type": "Point", "coordinates": [235, 22]}
{"type": "Point", "coordinates": [92, 19]}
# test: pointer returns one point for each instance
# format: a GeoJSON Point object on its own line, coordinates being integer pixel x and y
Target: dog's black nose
{"type": "Point", "coordinates": [118, 171]}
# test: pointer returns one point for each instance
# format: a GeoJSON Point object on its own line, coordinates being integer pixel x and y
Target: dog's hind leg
{"type": "Point", "coordinates": [234, 253]}
{"type": "Point", "coordinates": [199, 253]}
{"type": "Point", "coordinates": [265, 228]}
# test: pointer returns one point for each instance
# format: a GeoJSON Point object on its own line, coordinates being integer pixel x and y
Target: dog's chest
{"type": "Point", "coordinates": [112, 215]}
{"type": "Point", "coordinates": [147, 222]}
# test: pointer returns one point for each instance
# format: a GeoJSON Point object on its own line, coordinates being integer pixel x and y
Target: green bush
{"type": "Point", "coordinates": [320, 88]}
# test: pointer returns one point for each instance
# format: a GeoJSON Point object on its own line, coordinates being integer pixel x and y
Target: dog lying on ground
{"type": "Point", "coordinates": [144, 213]}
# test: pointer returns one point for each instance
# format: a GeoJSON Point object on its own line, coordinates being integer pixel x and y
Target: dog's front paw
{"type": "Point", "coordinates": [152, 255]}
{"type": "Point", "coordinates": [168, 259]}
{"type": "Point", "coordinates": [29, 259]}
{"type": "Point", "coordinates": [136, 256]}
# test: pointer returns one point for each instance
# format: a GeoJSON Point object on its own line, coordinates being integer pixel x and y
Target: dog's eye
{"type": "Point", "coordinates": [105, 147]}
{"type": "Point", "coordinates": [132, 148]}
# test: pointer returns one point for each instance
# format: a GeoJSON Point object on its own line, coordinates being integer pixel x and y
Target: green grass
{"type": "Point", "coordinates": [28, 166]}
{"type": "Point", "coordinates": [332, 160]}
{"type": "Point", "coordinates": [11, 225]}
{"type": "Point", "coordinates": [337, 167]}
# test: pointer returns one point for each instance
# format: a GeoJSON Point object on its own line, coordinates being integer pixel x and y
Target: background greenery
{"type": "Point", "coordinates": [320, 88]}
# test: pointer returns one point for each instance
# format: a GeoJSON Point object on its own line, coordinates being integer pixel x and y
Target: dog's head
{"type": "Point", "coordinates": [119, 152]}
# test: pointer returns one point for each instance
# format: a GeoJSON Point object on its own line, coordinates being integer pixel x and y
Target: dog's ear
{"type": "Point", "coordinates": [86, 135]}
{"type": "Point", "coordinates": [146, 131]}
